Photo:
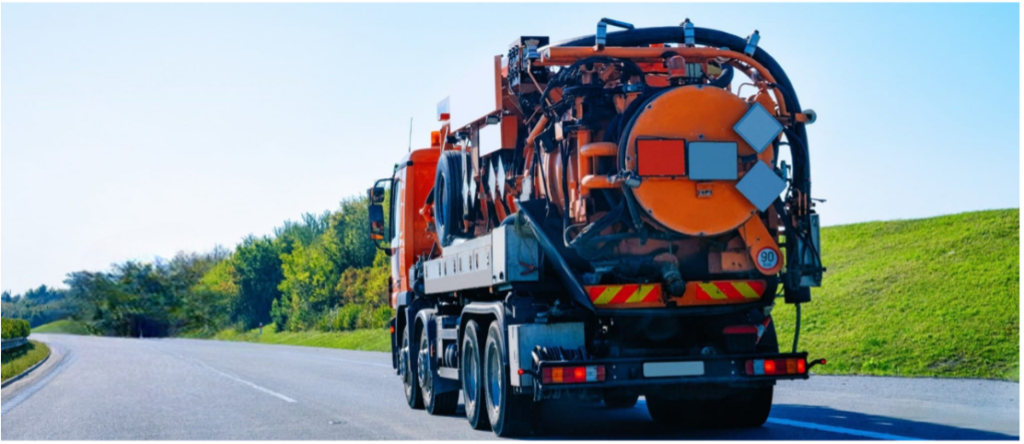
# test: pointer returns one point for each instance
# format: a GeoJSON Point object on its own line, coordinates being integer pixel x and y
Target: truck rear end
{"type": "Point", "coordinates": [626, 234]}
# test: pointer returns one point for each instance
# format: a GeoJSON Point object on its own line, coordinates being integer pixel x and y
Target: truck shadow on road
{"type": "Point", "coordinates": [576, 420]}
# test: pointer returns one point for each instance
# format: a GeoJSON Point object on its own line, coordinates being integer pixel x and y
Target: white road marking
{"type": "Point", "coordinates": [242, 381]}
{"type": "Point", "coordinates": [833, 429]}
{"type": "Point", "coordinates": [235, 378]}
{"type": "Point", "coordinates": [28, 392]}
{"type": "Point", "coordinates": [843, 430]}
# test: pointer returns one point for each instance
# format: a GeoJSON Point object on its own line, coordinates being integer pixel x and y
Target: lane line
{"type": "Point", "coordinates": [842, 430]}
{"type": "Point", "coordinates": [832, 429]}
{"type": "Point", "coordinates": [234, 378]}
{"type": "Point", "coordinates": [26, 393]}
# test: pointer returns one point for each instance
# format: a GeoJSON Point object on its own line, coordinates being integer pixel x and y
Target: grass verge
{"type": "Point", "coordinates": [17, 361]}
{"type": "Point", "coordinates": [365, 340]}
{"type": "Point", "coordinates": [928, 297]}
{"type": "Point", "coordinates": [64, 326]}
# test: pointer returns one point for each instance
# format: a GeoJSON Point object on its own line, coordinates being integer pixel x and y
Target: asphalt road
{"type": "Point", "coordinates": [113, 389]}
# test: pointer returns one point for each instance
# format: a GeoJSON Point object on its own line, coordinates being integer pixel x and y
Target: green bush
{"type": "Point", "coordinates": [354, 316]}
{"type": "Point", "coordinates": [15, 328]}
{"type": "Point", "coordinates": [348, 317]}
{"type": "Point", "coordinates": [382, 317]}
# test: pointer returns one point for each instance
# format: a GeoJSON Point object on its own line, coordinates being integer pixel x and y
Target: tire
{"type": "Point", "coordinates": [742, 408]}
{"type": "Point", "coordinates": [618, 399]}
{"type": "Point", "coordinates": [510, 414]}
{"type": "Point", "coordinates": [448, 198]}
{"type": "Point", "coordinates": [434, 403]}
{"type": "Point", "coordinates": [471, 375]}
{"type": "Point", "coordinates": [754, 406]}
{"type": "Point", "coordinates": [672, 411]}
{"type": "Point", "coordinates": [407, 370]}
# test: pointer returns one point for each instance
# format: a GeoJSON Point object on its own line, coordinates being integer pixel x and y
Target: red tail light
{"type": "Point", "coordinates": [767, 367]}
{"type": "Point", "coordinates": [740, 330]}
{"type": "Point", "coordinates": [573, 374]}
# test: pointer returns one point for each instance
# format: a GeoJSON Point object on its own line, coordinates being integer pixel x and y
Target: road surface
{"type": "Point", "coordinates": [175, 389]}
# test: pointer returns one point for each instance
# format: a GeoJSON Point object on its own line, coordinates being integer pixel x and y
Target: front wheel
{"type": "Point", "coordinates": [509, 413]}
{"type": "Point", "coordinates": [407, 370]}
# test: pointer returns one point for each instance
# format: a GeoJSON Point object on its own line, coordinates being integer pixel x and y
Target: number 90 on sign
{"type": "Point", "coordinates": [768, 258]}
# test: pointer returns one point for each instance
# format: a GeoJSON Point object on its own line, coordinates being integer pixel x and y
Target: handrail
{"type": "Point", "coordinates": [10, 344]}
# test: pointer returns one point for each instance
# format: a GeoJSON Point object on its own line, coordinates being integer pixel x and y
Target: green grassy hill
{"type": "Point", "coordinates": [928, 297]}
{"type": "Point", "coordinates": [65, 326]}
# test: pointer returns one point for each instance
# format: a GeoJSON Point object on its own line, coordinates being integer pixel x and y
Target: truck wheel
{"type": "Point", "coordinates": [750, 409]}
{"type": "Point", "coordinates": [673, 411]}
{"type": "Point", "coordinates": [471, 374]}
{"type": "Point", "coordinates": [448, 197]}
{"type": "Point", "coordinates": [746, 408]}
{"type": "Point", "coordinates": [435, 403]}
{"type": "Point", "coordinates": [408, 373]}
{"type": "Point", "coordinates": [620, 399]}
{"type": "Point", "coordinates": [509, 413]}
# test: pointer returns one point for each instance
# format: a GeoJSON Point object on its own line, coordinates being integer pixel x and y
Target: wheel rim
{"type": "Point", "coordinates": [493, 377]}
{"type": "Point", "coordinates": [426, 378]}
{"type": "Point", "coordinates": [472, 370]}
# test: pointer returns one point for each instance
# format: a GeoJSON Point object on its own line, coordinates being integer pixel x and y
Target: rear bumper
{"type": "Point", "coordinates": [630, 372]}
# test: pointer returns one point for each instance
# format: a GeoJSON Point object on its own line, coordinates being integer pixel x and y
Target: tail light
{"type": "Point", "coordinates": [573, 374]}
{"type": "Point", "coordinates": [767, 367]}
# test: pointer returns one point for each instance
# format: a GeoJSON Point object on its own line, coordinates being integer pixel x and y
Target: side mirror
{"type": "Point", "coordinates": [376, 194]}
{"type": "Point", "coordinates": [377, 226]}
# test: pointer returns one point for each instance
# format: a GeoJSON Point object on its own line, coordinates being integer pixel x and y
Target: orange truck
{"type": "Point", "coordinates": [640, 203]}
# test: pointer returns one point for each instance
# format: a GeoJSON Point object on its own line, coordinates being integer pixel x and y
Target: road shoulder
{"type": "Point", "coordinates": [30, 377]}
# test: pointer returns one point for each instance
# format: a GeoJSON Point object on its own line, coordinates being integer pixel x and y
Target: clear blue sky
{"type": "Point", "coordinates": [134, 131]}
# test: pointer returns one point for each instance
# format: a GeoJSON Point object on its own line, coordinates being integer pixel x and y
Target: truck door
{"type": "Point", "coordinates": [398, 209]}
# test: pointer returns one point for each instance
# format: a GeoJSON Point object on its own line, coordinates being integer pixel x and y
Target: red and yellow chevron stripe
{"type": "Point", "coordinates": [632, 295]}
{"type": "Point", "coordinates": [736, 290]}
{"type": "Point", "coordinates": [697, 293]}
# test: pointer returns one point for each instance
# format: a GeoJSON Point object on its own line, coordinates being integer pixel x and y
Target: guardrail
{"type": "Point", "coordinates": [9, 344]}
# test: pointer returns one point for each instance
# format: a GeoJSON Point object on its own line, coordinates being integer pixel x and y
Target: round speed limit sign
{"type": "Point", "coordinates": [768, 258]}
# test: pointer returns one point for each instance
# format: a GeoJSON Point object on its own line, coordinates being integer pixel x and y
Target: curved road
{"type": "Point", "coordinates": [175, 389]}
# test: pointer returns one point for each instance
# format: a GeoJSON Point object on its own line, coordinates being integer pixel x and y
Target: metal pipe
{"type": "Point", "coordinates": [796, 334]}
{"type": "Point", "coordinates": [565, 55]}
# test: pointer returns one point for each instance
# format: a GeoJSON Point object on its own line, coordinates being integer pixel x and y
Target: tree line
{"type": "Point", "coordinates": [319, 273]}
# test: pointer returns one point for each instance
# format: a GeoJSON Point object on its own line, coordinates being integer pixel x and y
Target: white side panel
{"type": "Point", "coordinates": [462, 266]}
{"type": "Point", "coordinates": [499, 258]}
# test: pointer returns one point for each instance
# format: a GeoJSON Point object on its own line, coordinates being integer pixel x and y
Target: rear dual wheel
{"type": "Point", "coordinates": [741, 409]}
{"type": "Point", "coordinates": [435, 403]}
{"type": "Point", "coordinates": [510, 414]}
{"type": "Point", "coordinates": [472, 377]}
